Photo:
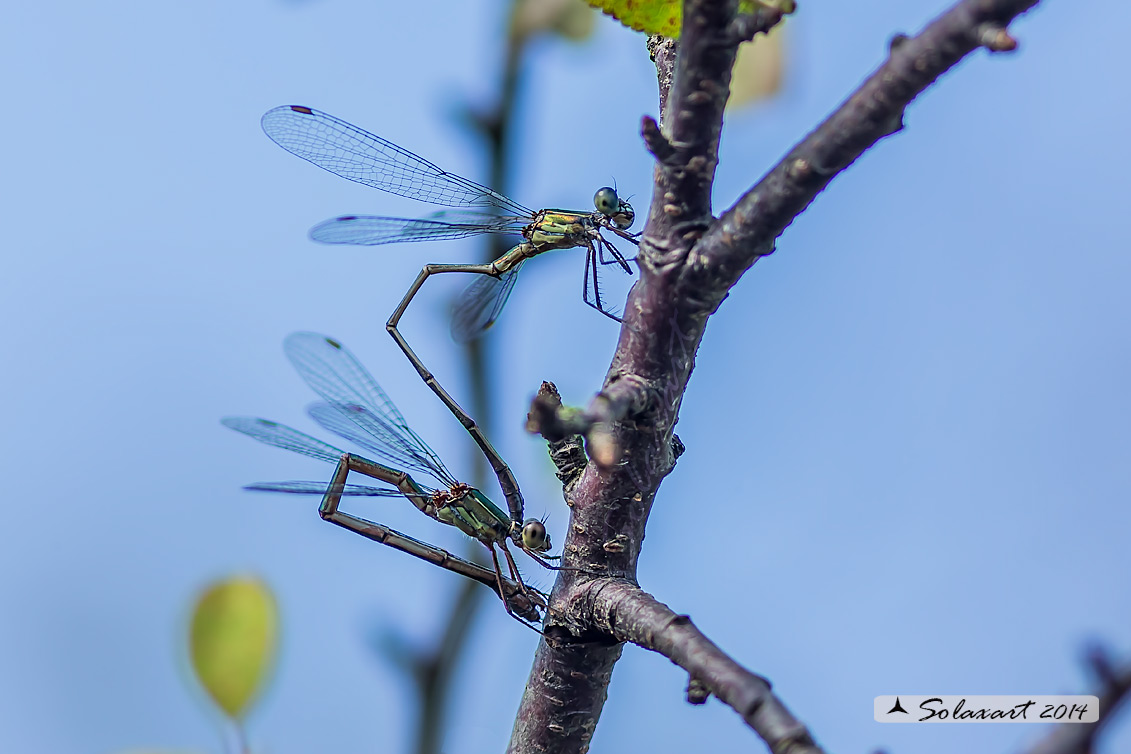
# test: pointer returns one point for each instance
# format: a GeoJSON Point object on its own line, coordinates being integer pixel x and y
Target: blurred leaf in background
{"type": "Point", "coordinates": [757, 72]}
{"type": "Point", "coordinates": [232, 641]}
{"type": "Point", "coordinates": [572, 19]}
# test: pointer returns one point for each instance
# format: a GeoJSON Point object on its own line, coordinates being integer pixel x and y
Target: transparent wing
{"type": "Point", "coordinates": [340, 379]}
{"type": "Point", "coordinates": [366, 430]}
{"type": "Point", "coordinates": [372, 230]}
{"type": "Point", "coordinates": [319, 488]}
{"type": "Point", "coordinates": [480, 304]}
{"type": "Point", "coordinates": [348, 151]}
{"type": "Point", "coordinates": [282, 436]}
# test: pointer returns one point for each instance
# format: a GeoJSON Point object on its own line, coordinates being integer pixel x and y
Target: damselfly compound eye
{"type": "Point", "coordinates": [534, 535]}
{"type": "Point", "coordinates": [606, 201]}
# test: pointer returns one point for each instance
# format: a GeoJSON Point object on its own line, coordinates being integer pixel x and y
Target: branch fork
{"type": "Point", "coordinates": [689, 260]}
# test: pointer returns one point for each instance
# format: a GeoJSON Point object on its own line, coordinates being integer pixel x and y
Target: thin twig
{"type": "Point", "coordinates": [621, 399]}
{"type": "Point", "coordinates": [630, 614]}
{"type": "Point", "coordinates": [566, 451]}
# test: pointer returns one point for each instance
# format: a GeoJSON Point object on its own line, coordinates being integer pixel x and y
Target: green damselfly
{"type": "Point", "coordinates": [356, 154]}
{"type": "Point", "coordinates": [353, 153]}
{"type": "Point", "coordinates": [356, 408]}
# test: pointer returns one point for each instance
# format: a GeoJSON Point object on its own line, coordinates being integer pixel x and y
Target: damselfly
{"type": "Point", "coordinates": [358, 155]}
{"type": "Point", "coordinates": [356, 408]}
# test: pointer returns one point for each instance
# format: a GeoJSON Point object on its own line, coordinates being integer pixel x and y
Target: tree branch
{"type": "Point", "coordinates": [688, 261]}
{"type": "Point", "coordinates": [686, 146]}
{"type": "Point", "coordinates": [630, 614]}
{"type": "Point", "coordinates": [875, 110]}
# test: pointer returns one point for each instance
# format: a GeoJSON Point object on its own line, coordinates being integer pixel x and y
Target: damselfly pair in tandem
{"type": "Point", "coordinates": [354, 405]}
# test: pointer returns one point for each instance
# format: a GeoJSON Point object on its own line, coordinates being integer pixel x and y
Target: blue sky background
{"type": "Point", "coordinates": [907, 466]}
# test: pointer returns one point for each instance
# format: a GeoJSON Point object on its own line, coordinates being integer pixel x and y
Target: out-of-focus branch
{"type": "Point", "coordinates": [1114, 688]}
{"type": "Point", "coordinates": [434, 671]}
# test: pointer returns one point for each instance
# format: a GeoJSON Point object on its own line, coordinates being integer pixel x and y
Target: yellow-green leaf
{"type": "Point", "coordinates": [648, 16]}
{"type": "Point", "coordinates": [663, 16]}
{"type": "Point", "coordinates": [757, 72]}
{"type": "Point", "coordinates": [232, 641]}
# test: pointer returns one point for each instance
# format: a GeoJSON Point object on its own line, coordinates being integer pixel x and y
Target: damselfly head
{"type": "Point", "coordinates": [613, 207]}
{"type": "Point", "coordinates": [534, 535]}
{"type": "Point", "coordinates": [617, 210]}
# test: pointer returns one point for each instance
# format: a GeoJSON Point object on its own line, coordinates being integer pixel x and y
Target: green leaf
{"type": "Point", "coordinates": [648, 16]}
{"type": "Point", "coordinates": [663, 16]}
{"type": "Point", "coordinates": [232, 641]}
